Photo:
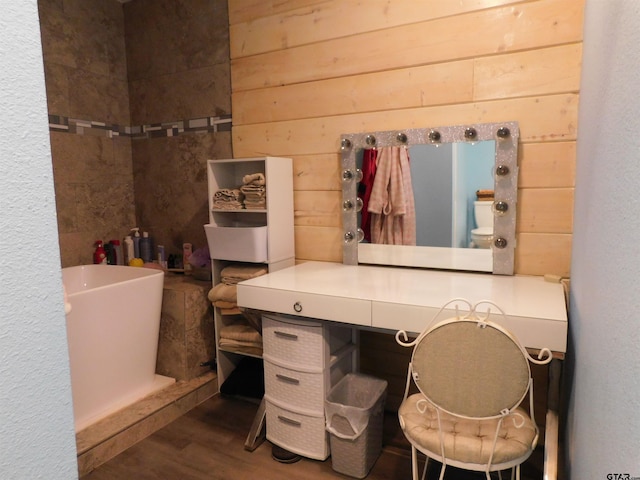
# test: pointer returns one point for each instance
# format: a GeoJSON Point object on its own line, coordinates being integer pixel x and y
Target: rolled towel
{"type": "Point", "coordinates": [254, 179]}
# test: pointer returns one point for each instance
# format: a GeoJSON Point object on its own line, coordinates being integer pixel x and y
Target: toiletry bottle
{"type": "Point", "coordinates": [99, 255]}
{"type": "Point", "coordinates": [117, 251]}
{"type": "Point", "coordinates": [162, 259]}
{"type": "Point", "coordinates": [136, 242]}
{"type": "Point", "coordinates": [128, 250]}
{"type": "Point", "coordinates": [145, 248]}
{"type": "Point", "coordinates": [109, 252]}
{"type": "Point", "coordinates": [187, 250]}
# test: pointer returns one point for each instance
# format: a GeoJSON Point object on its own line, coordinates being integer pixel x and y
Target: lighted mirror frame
{"type": "Point", "coordinates": [499, 259]}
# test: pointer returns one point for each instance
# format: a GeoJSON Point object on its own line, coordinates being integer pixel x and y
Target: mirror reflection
{"type": "Point", "coordinates": [437, 198]}
{"type": "Point", "coordinates": [452, 189]}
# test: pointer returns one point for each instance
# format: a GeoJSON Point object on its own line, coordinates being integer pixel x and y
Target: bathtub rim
{"type": "Point", "coordinates": [142, 273]}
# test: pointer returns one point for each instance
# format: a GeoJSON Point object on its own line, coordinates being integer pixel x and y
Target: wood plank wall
{"type": "Point", "coordinates": [305, 71]}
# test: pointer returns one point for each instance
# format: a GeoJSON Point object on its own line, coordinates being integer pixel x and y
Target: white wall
{"type": "Point", "coordinates": [603, 429]}
{"type": "Point", "coordinates": [37, 438]}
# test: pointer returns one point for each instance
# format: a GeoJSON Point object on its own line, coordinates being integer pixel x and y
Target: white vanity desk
{"type": "Point", "coordinates": [392, 299]}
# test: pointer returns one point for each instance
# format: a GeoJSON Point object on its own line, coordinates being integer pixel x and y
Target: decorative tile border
{"type": "Point", "coordinates": [58, 123]}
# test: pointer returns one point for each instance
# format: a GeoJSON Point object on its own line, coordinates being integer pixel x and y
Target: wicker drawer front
{"type": "Point", "coordinates": [299, 433]}
{"type": "Point", "coordinates": [294, 343]}
{"type": "Point", "coordinates": [299, 389]}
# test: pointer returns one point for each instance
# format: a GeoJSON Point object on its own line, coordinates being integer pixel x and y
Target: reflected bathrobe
{"type": "Point", "coordinates": [391, 204]}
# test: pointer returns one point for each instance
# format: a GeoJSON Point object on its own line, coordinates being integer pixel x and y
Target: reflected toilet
{"type": "Point", "coordinates": [483, 234]}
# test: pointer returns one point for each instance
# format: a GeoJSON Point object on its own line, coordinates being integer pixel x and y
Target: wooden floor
{"type": "Point", "coordinates": [208, 443]}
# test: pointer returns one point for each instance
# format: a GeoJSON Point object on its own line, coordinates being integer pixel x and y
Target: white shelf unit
{"type": "Point", "coordinates": [242, 234]}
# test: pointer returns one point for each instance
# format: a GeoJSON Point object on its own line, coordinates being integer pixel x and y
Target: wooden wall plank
{"type": "Point", "coordinates": [412, 72]}
{"type": "Point", "coordinates": [318, 208]}
{"type": "Point", "coordinates": [547, 164]}
{"type": "Point", "coordinates": [317, 172]}
{"type": "Point", "coordinates": [318, 21]}
{"type": "Point", "coordinates": [534, 72]}
{"type": "Point", "coordinates": [540, 118]}
{"type": "Point", "coordinates": [323, 244]}
{"type": "Point", "coordinates": [248, 10]}
{"type": "Point", "coordinates": [538, 24]}
{"type": "Point", "coordinates": [543, 253]}
{"type": "Point", "coordinates": [545, 210]}
{"type": "Point", "coordinates": [381, 91]}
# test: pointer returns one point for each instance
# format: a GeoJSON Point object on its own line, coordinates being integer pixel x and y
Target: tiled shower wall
{"type": "Point", "coordinates": [139, 99]}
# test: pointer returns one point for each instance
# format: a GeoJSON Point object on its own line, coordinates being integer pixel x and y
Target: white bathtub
{"type": "Point", "coordinates": [112, 331]}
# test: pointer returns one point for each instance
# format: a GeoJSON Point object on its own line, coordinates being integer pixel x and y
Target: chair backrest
{"type": "Point", "coordinates": [470, 367]}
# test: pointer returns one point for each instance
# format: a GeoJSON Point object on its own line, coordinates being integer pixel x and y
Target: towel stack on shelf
{"type": "Point", "coordinates": [244, 328]}
{"type": "Point", "coordinates": [240, 334]}
{"type": "Point", "coordinates": [228, 199]}
{"type": "Point", "coordinates": [254, 191]}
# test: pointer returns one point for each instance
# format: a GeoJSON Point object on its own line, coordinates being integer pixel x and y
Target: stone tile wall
{"type": "Point", "coordinates": [139, 99]}
{"type": "Point", "coordinates": [179, 68]}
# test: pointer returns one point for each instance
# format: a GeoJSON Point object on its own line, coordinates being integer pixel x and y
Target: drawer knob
{"type": "Point", "coordinates": [297, 307]}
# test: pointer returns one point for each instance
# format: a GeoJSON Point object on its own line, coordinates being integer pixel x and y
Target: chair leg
{"type": "Point", "coordinates": [442, 469]}
{"type": "Point", "coordinates": [424, 470]}
{"type": "Point", "coordinates": [414, 463]}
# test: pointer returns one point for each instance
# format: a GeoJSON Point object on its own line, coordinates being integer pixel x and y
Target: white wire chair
{"type": "Point", "coordinates": [472, 376]}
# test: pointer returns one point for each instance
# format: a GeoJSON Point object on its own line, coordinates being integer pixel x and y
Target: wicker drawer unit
{"type": "Point", "coordinates": [303, 359]}
{"type": "Point", "coordinates": [295, 387]}
{"type": "Point", "coordinates": [294, 341]}
{"type": "Point", "coordinates": [299, 432]}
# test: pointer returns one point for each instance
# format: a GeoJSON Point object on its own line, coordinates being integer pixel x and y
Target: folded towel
{"type": "Point", "coordinates": [255, 206]}
{"type": "Point", "coordinates": [227, 205]}
{"type": "Point", "coordinates": [254, 179]}
{"type": "Point", "coordinates": [240, 331]}
{"type": "Point", "coordinates": [228, 199]}
{"type": "Point", "coordinates": [224, 305]}
{"type": "Point", "coordinates": [252, 190]}
{"type": "Point", "coordinates": [238, 272]}
{"type": "Point", "coordinates": [230, 311]}
{"type": "Point", "coordinates": [248, 203]}
{"type": "Point", "coordinates": [228, 194]}
{"type": "Point", "coordinates": [224, 342]}
{"type": "Point", "coordinates": [224, 292]}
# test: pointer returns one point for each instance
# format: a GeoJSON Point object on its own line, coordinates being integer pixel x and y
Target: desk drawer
{"type": "Point", "coordinates": [326, 307]}
{"type": "Point", "coordinates": [301, 389]}
{"type": "Point", "coordinates": [304, 389]}
{"type": "Point", "coordinates": [299, 433]}
{"type": "Point", "coordinates": [299, 343]}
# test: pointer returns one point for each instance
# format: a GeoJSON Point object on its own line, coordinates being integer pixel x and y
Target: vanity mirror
{"type": "Point", "coordinates": [464, 181]}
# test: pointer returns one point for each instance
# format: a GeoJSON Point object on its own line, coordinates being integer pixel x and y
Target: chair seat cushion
{"type": "Point", "coordinates": [467, 440]}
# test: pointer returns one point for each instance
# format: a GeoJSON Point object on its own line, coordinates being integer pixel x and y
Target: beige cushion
{"type": "Point", "coordinates": [467, 441]}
